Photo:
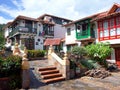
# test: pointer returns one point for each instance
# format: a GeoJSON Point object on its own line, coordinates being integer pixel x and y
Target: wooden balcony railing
{"type": "Point", "coordinates": [20, 30]}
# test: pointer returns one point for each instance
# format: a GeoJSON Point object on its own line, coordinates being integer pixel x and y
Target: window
{"type": "Point", "coordinates": [105, 27]}
{"type": "Point", "coordinates": [101, 33]}
{"type": "Point", "coordinates": [69, 31]}
{"type": "Point", "coordinates": [106, 33]}
{"type": "Point", "coordinates": [118, 21]}
{"type": "Point", "coordinates": [111, 23]}
{"type": "Point", "coordinates": [79, 28]}
{"type": "Point", "coordinates": [85, 27]}
{"type": "Point", "coordinates": [112, 32]}
{"type": "Point", "coordinates": [118, 31]}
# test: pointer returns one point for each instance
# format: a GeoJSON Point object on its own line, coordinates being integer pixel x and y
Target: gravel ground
{"type": "Point", "coordinates": [84, 83]}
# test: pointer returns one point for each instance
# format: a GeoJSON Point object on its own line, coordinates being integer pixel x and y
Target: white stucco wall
{"type": "Point", "coordinates": [6, 32]}
{"type": "Point", "coordinates": [59, 31]}
{"type": "Point", "coordinates": [64, 48]}
{"type": "Point", "coordinates": [70, 38]}
{"type": "Point", "coordinates": [39, 28]}
{"type": "Point", "coordinates": [40, 43]}
{"type": "Point", "coordinates": [95, 28]}
{"type": "Point", "coordinates": [114, 41]}
{"type": "Point", "coordinates": [21, 23]}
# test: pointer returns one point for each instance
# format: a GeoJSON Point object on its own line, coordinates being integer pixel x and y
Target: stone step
{"type": "Point", "coordinates": [48, 72]}
{"type": "Point", "coordinates": [51, 76]}
{"type": "Point", "coordinates": [47, 68]}
{"type": "Point", "coordinates": [53, 80]}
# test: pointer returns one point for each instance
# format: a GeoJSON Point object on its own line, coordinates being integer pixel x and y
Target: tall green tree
{"type": "Point", "coordinates": [2, 39]}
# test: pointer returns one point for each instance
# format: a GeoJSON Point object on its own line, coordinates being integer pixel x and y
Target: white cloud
{"type": "Point", "coordinates": [72, 9]}
{"type": "Point", "coordinates": [3, 20]}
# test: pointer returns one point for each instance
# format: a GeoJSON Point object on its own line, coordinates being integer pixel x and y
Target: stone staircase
{"type": "Point", "coordinates": [50, 74]}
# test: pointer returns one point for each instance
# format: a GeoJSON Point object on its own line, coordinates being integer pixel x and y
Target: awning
{"type": "Point", "coordinates": [54, 41]}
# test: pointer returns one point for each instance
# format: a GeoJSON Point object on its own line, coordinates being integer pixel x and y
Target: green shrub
{"type": "Point", "coordinates": [36, 53]}
{"type": "Point", "coordinates": [99, 52]}
{"type": "Point", "coordinates": [79, 52]}
{"type": "Point", "coordinates": [10, 65]}
{"type": "Point", "coordinates": [90, 64]}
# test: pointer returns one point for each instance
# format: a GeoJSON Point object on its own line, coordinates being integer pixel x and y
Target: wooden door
{"type": "Point", "coordinates": [117, 56]}
{"type": "Point", "coordinates": [29, 43]}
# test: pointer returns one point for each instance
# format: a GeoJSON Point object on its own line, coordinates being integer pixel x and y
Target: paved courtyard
{"type": "Point", "coordinates": [84, 83]}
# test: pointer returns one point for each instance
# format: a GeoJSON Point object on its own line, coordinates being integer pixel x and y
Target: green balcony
{"type": "Point", "coordinates": [82, 35]}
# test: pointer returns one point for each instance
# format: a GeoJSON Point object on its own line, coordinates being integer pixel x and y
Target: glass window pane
{"type": "Point", "coordinates": [105, 25]}
{"type": "Point", "coordinates": [118, 20]}
{"type": "Point", "coordinates": [111, 23]}
{"type": "Point", "coordinates": [69, 31]}
{"type": "Point", "coordinates": [112, 32]}
{"type": "Point", "coordinates": [118, 31]}
{"type": "Point", "coordinates": [101, 34]}
{"type": "Point", "coordinates": [106, 33]}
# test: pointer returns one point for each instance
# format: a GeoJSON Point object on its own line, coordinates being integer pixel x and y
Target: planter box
{"type": "Point", "coordinates": [4, 83]}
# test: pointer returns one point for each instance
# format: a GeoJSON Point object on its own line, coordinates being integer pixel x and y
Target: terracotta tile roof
{"type": "Point", "coordinates": [54, 41]}
{"type": "Point", "coordinates": [113, 8]}
{"type": "Point", "coordinates": [106, 16]}
{"type": "Point", "coordinates": [88, 17]}
{"type": "Point", "coordinates": [24, 18]}
{"type": "Point", "coordinates": [108, 13]}
{"type": "Point", "coordinates": [7, 25]}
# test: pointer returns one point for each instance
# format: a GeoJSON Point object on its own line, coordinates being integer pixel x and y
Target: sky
{"type": "Point", "coordinates": [70, 9]}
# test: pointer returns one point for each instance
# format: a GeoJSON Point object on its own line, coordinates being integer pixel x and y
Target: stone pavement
{"type": "Point", "coordinates": [84, 83]}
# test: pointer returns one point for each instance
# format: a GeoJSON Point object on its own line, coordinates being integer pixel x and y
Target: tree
{"type": "Point", "coordinates": [99, 52]}
{"type": "Point", "coordinates": [79, 52]}
{"type": "Point", "coordinates": [2, 39]}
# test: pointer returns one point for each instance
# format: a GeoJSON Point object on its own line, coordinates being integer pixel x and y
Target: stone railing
{"type": "Point", "coordinates": [61, 64]}
{"type": "Point", "coordinates": [25, 66]}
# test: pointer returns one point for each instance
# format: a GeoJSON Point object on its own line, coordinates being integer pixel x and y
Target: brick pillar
{"type": "Point", "coordinates": [16, 50]}
{"type": "Point", "coordinates": [50, 50]}
{"type": "Point", "coordinates": [25, 71]}
{"type": "Point", "coordinates": [67, 66]}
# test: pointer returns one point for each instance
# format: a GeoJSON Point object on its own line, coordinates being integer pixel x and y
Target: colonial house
{"type": "Point", "coordinates": [80, 32]}
{"type": "Point", "coordinates": [53, 29]}
{"type": "Point", "coordinates": [22, 30]}
{"type": "Point", "coordinates": [32, 33]}
{"type": "Point", "coordinates": [109, 30]}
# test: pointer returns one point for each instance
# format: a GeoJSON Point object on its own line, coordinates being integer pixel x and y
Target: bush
{"type": "Point", "coordinates": [99, 52]}
{"type": "Point", "coordinates": [11, 67]}
{"type": "Point", "coordinates": [79, 52]}
{"type": "Point", "coordinates": [90, 64]}
{"type": "Point", "coordinates": [36, 53]}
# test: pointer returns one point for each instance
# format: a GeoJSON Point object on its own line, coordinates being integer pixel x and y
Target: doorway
{"type": "Point", "coordinates": [117, 56]}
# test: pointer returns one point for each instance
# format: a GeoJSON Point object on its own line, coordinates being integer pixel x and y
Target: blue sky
{"type": "Point", "coordinates": [71, 9]}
